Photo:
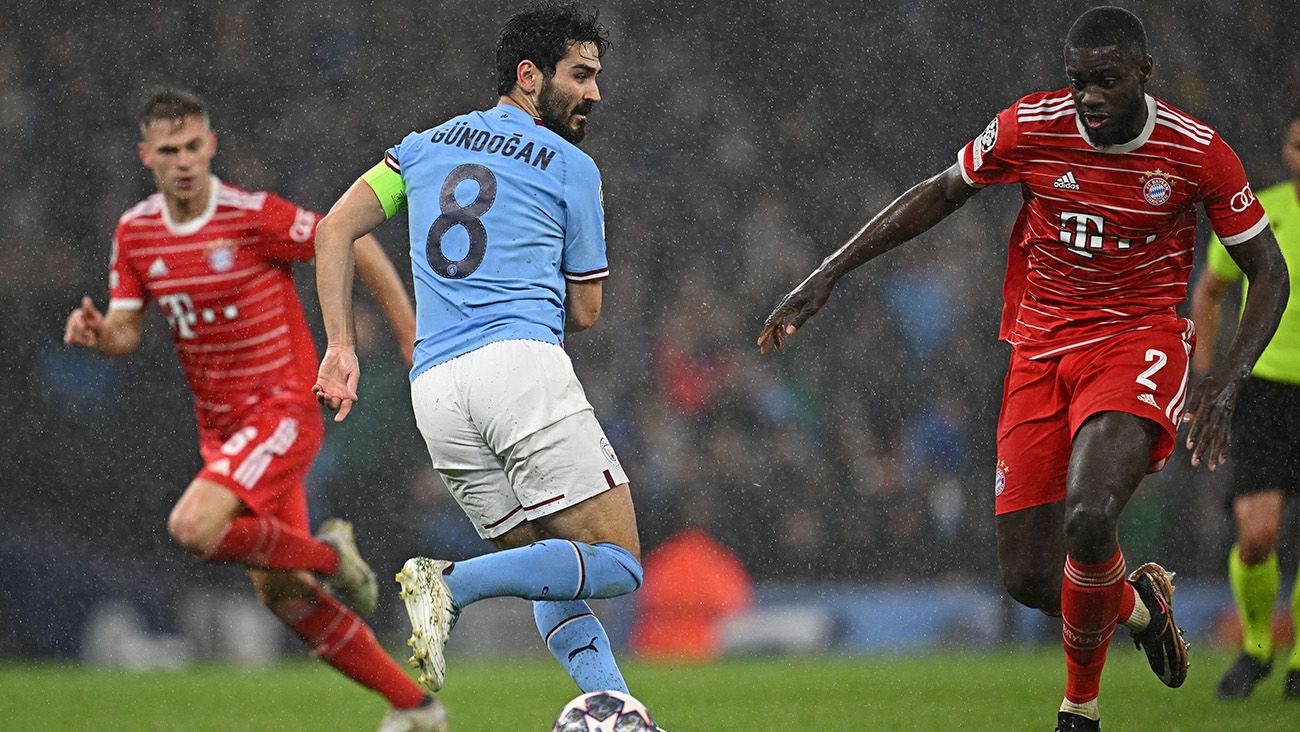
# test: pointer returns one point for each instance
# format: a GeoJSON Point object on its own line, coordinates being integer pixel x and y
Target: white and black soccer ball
{"type": "Point", "coordinates": [605, 711]}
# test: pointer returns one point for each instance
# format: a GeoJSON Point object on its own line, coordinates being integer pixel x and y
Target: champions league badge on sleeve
{"type": "Point", "coordinates": [985, 142]}
{"type": "Point", "coordinates": [1156, 187]}
{"type": "Point", "coordinates": [221, 255]}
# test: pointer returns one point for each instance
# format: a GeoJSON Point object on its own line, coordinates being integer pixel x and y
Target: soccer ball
{"type": "Point", "coordinates": [605, 711]}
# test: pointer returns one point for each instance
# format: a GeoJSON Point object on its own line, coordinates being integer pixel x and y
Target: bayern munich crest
{"type": "Point", "coordinates": [1156, 187]}
{"type": "Point", "coordinates": [1000, 479]}
{"type": "Point", "coordinates": [221, 256]}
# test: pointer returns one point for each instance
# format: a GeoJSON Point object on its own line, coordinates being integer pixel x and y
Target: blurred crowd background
{"type": "Point", "coordinates": [739, 142]}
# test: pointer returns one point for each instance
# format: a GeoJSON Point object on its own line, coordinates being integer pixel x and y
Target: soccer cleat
{"type": "Point", "coordinates": [1162, 639]}
{"type": "Point", "coordinates": [1291, 687]}
{"type": "Point", "coordinates": [1067, 722]}
{"type": "Point", "coordinates": [433, 613]}
{"type": "Point", "coordinates": [1241, 677]}
{"type": "Point", "coordinates": [352, 580]}
{"type": "Point", "coordinates": [430, 716]}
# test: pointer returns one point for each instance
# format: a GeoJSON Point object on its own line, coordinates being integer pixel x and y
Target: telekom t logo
{"type": "Point", "coordinates": [179, 309]}
{"type": "Point", "coordinates": [1081, 230]}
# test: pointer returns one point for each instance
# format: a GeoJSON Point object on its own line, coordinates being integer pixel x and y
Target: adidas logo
{"type": "Point", "coordinates": [158, 268]}
{"type": "Point", "coordinates": [1149, 399]}
{"type": "Point", "coordinates": [1067, 182]}
{"type": "Point", "coordinates": [221, 467]}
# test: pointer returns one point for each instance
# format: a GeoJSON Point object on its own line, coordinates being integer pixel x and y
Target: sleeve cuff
{"type": "Point", "coordinates": [594, 275]}
{"type": "Point", "coordinates": [961, 165]}
{"type": "Point", "coordinates": [126, 303]}
{"type": "Point", "coordinates": [1247, 234]}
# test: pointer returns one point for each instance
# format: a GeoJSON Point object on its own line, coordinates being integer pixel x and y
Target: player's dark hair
{"type": "Point", "coordinates": [542, 34]}
{"type": "Point", "coordinates": [171, 104]}
{"type": "Point", "coordinates": [1108, 26]}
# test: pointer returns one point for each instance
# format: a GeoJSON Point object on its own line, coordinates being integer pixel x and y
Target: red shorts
{"type": "Point", "coordinates": [1045, 402]}
{"type": "Point", "coordinates": [264, 458]}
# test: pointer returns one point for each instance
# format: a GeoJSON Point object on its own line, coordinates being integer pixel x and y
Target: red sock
{"type": "Point", "coordinates": [343, 640]}
{"type": "Point", "coordinates": [1090, 599]}
{"type": "Point", "coordinates": [268, 543]}
{"type": "Point", "coordinates": [1128, 600]}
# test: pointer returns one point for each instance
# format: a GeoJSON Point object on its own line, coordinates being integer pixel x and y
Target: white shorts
{"type": "Point", "coordinates": [512, 434]}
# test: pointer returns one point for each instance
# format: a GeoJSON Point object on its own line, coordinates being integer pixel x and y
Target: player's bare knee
{"type": "Point", "coordinates": [1089, 522]}
{"type": "Point", "coordinates": [193, 530]}
{"type": "Point", "coordinates": [1255, 545]}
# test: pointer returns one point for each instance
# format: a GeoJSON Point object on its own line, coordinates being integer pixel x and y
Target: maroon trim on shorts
{"type": "Point", "coordinates": [609, 478]}
{"type": "Point", "coordinates": [543, 503]}
{"type": "Point", "coordinates": [501, 520]}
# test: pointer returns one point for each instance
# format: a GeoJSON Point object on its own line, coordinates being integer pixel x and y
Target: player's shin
{"type": "Point", "coordinates": [553, 569]}
{"type": "Point", "coordinates": [1090, 601]}
{"type": "Point", "coordinates": [1255, 590]}
{"type": "Point", "coordinates": [340, 638]}
{"type": "Point", "coordinates": [577, 640]}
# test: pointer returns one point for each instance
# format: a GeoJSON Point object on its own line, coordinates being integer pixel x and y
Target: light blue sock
{"type": "Point", "coordinates": [578, 641]}
{"type": "Point", "coordinates": [553, 569]}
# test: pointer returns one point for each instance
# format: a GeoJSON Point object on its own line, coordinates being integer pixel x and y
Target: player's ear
{"type": "Point", "coordinates": [527, 76]}
{"type": "Point", "coordinates": [143, 151]}
{"type": "Point", "coordinates": [1145, 69]}
{"type": "Point", "coordinates": [212, 143]}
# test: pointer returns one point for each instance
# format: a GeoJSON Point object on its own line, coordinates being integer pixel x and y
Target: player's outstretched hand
{"type": "Point", "coordinates": [795, 309]}
{"type": "Point", "coordinates": [83, 325]}
{"type": "Point", "coordinates": [336, 382]}
{"type": "Point", "coordinates": [1210, 412]}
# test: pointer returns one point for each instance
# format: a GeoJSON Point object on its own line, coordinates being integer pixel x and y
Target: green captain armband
{"type": "Point", "coordinates": [388, 187]}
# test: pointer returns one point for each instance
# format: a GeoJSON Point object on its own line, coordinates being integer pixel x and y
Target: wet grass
{"type": "Point", "coordinates": [1004, 690]}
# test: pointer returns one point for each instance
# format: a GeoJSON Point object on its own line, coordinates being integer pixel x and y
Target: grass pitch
{"type": "Point", "coordinates": [1003, 690]}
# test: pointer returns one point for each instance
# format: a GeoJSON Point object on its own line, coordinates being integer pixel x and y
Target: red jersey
{"type": "Point", "coordinates": [225, 284]}
{"type": "Point", "coordinates": [1104, 241]}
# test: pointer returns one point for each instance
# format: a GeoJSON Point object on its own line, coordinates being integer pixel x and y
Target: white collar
{"type": "Point", "coordinates": [198, 222]}
{"type": "Point", "coordinates": [1131, 145]}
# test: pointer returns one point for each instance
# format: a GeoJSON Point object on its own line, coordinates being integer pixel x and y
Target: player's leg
{"type": "Point", "coordinates": [339, 637]}
{"type": "Point", "coordinates": [228, 514]}
{"type": "Point", "coordinates": [571, 631]}
{"type": "Point", "coordinates": [1125, 405]}
{"type": "Point", "coordinates": [1263, 459]}
{"type": "Point", "coordinates": [1111, 453]}
{"type": "Point", "coordinates": [211, 521]}
{"type": "Point", "coordinates": [1255, 578]}
{"type": "Point", "coordinates": [1033, 445]}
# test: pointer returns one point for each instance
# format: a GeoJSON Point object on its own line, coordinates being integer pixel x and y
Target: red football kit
{"type": "Point", "coordinates": [1099, 258]}
{"type": "Point", "coordinates": [225, 284]}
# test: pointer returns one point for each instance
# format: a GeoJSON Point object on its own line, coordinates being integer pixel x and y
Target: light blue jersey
{"type": "Point", "coordinates": [502, 211]}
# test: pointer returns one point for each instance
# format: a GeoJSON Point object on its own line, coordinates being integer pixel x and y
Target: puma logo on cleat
{"type": "Point", "coordinates": [589, 647]}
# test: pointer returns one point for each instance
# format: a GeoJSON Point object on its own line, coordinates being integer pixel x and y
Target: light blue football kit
{"type": "Point", "coordinates": [502, 212]}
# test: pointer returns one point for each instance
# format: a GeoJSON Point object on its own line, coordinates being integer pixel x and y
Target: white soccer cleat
{"type": "Point", "coordinates": [430, 717]}
{"type": "Point", "coordinates": [353, 580]}
{"type": "Point", "coordinates": [432, 612]}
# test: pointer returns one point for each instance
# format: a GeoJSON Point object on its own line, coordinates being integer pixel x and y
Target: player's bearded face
{"type": "Point", "coordinates": [562, 113]}
{"type": "Point", "coordinates": [568, 95]}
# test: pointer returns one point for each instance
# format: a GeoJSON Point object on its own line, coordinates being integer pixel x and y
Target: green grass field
{"type": "Point", "coordinates": [1002, 690]}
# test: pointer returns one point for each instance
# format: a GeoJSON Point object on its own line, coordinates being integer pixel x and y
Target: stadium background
{"type": "Point", "coordinates": [739, 143]}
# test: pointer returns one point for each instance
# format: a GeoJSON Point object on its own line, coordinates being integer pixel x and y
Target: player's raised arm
{"type": "Point", "coordinates": [909, 216]}
{"type": "Point", "coordinates": [355, 215]}
{"type": "Point", "coordinates": [1212, 401]}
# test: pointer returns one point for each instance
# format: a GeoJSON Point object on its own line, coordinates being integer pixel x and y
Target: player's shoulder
{"type": "Point", "coordinates": [1183, 127]}
{"type": "Point", "coordinates": [144, 213]}
{"type": "Point", "coordinates": [1041, 102]}
{"type": "Point", "coordinates": [231, 196]}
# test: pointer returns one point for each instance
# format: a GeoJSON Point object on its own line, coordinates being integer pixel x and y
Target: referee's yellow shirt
{"type": "Point", "coordinates": [1281, 359]}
